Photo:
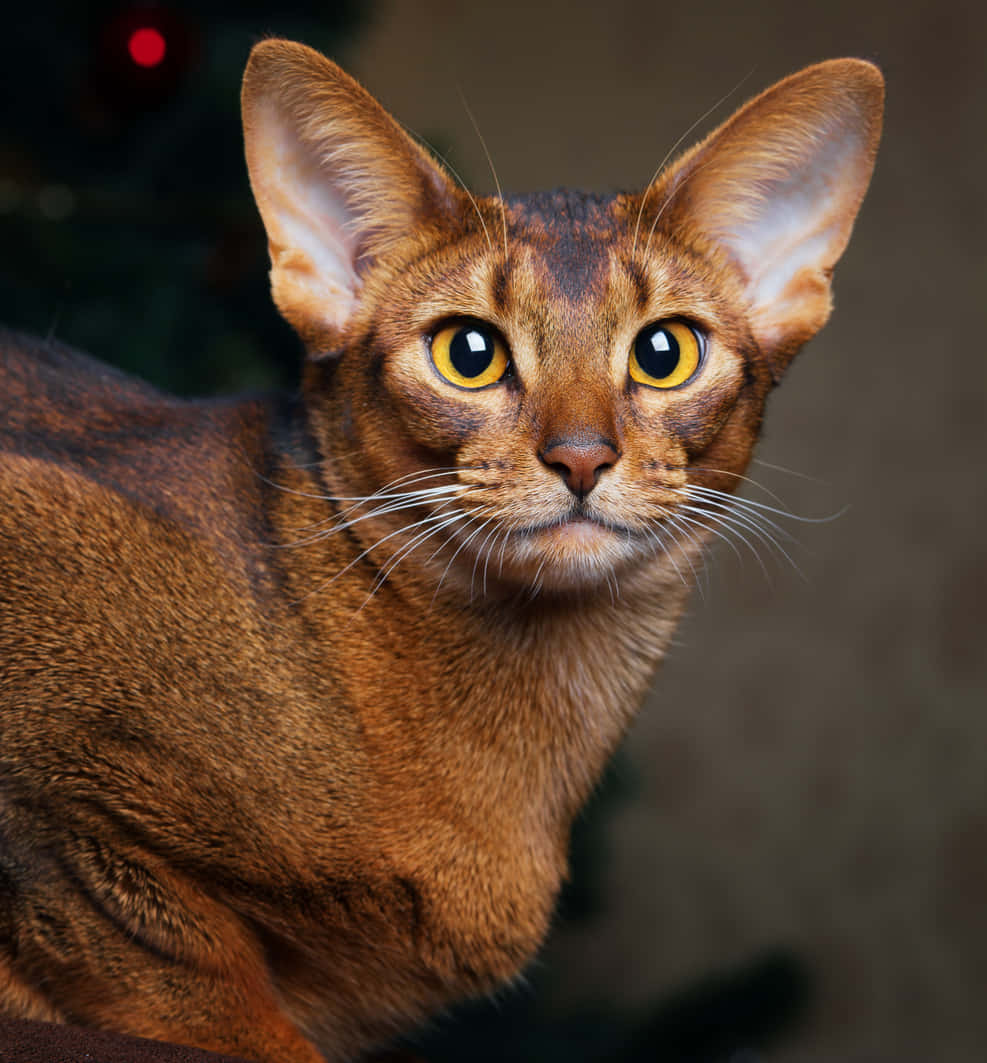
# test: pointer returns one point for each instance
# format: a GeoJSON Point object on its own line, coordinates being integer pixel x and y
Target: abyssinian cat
{"type": "Point", "coordinates": [299, 698]}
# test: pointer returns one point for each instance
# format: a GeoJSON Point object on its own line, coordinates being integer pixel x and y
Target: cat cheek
{"type": "Point", "coordinates": [695, 425]}
{"type": "Point", "coordinates": [438, 422]}
{"type": "Point", "coordinates": [729, 448]}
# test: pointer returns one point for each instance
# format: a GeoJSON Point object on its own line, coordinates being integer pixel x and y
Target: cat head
{"type": "Point", "coordinates": [564, 381]}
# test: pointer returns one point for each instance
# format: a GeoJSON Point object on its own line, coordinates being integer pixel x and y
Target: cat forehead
{"type": "Point", "coordinates": [569, 238]}
{"type": "Point", "coordinates": [563, 208]}
{"type": "Point", "coordinates": [563, 265]}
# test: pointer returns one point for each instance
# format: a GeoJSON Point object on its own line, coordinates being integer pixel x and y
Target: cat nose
{"type": "Point", "coordinates": [579, 461]}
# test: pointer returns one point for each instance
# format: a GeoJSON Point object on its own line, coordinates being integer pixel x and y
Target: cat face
{"type": "Point", "coordinates": [576, 387]}
{"type": "Point", "coordinates": [559, 389]}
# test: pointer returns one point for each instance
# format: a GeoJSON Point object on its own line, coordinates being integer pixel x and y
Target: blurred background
{"type": "Point", "coordinates": [788, 859]}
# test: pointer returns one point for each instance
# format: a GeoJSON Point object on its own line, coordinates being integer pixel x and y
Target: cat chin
{"type": "Point", "coordinates": [572, 555]}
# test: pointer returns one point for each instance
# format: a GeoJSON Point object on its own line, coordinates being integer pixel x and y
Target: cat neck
{"type": "Point", "coordinates": [514, 697]}
{"type": "Point", "coordinates": [484, 724]}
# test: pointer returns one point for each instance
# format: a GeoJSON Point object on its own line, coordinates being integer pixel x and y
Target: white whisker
{"type": "Point", "coordinates": [765, 535]}
{"type": "Point", "coordinates": [344, 524]}
{"type": "Point", "coordinates": [614, 587]}
{"type": "Point", "coordinates": [711, 492]}
{"type": "Point", "coordinates": [503, 547]}
{"type": "Point", "coordinates": [668, 199]}
{"type": "Point", "coordinates": [384, 493]}
{"type": "Point", "coordinates": [713, 531]}
{"type": "Point", "coordinates": [486, 561]}
{"type": "Point", "coordinates": [722, 521]}
{"type": "Point", "coordinates": [458, 551]}
{"type": "Point", "coordinates": [736, 521]}
{"type": "Point", "coordinates": [480, 553]}
{"type": "Point", "coordinates": [421, 492]}
{"type": "Point", "coordinates": [462, 184]}
{"type": "Point", "coordinates": [673, 519]}
{"type": "Point", "coordinates": [788, 472]}
{"type": "Point", "coordinates": [671, 151]}
{"type": "Point", "coordinates": [736, 476]}
{"type": "Point", "coordinates": [408, 548]}
{"type": "Point", "coordinates": [412, 477]}
{"type": "Point", "coordinates": [536, 581]}
{"type": "Point", "coordinates": [493, 171]}
{"type": "Point", "coordinates": [431, 519]}
{"type": "Point", "coordinates": [655, 534]}
{"type": "Point", "coordinates": [730, 504]}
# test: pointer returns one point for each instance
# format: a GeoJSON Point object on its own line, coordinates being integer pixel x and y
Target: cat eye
{"type": "Point", "coordinates": [665, 354]}
{"type": "Point", "coordinates": [469, 354]}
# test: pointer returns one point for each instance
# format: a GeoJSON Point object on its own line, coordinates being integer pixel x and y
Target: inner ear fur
{"type": "Point", "coordinates": [336, 180]}
{"type": "Point", "coordinates": [777, 188]}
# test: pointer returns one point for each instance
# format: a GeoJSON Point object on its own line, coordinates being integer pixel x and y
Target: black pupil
{"type": "Point", "coordinates": [657, 352]}
{"type": "Point", "coordinates": [471, 351]}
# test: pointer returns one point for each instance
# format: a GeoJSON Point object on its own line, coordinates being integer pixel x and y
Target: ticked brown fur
{"type": "Point", "coordinates": [289, 753]}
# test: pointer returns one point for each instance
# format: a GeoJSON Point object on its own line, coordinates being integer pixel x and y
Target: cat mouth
{"type": "Point", "coordinates": [572, 550]}
{"type": "Point", "coordinates": [576, 524]}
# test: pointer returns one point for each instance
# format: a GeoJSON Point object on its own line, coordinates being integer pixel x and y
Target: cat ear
{"type": "Point", "coordinates": [778, 186]}
{"type": "Point", "coordinates": [336, 180]}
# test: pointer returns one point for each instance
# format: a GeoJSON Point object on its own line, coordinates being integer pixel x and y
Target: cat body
{"type": "Point", "coordinates": [363, 799]}
{"type": "Point", "coordinates": [299, 697]}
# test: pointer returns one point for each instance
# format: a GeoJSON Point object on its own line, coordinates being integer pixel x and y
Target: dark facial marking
{"type": "Point", "coordinates": [642, 293]}
{"type": "Point", "coordinates": [374, 356]}
{"type": "Point", "coordinates": [499, 287]}
{"type": "Point", "coordinates": [702, 419]}
{"type": "Point", "coordinates": [569, 229]}
{"type": "Point", "coordinates": [460, 419]}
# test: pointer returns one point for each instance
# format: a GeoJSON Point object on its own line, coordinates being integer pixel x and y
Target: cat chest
{"type": "Point", "coordinates": [415, 941]}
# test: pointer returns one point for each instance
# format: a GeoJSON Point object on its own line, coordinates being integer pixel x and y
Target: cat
{"type": "Point", "coordinates": [299, 696]}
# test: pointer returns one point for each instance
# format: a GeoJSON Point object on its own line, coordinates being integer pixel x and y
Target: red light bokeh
{"type": "Point", "coordinates": [146, 46]}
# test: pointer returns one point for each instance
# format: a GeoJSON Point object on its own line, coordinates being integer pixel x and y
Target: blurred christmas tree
{"type": "Point", "coordinates": [126, 222]}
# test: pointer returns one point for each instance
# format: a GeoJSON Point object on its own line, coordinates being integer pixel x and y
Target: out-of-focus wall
{"type": "Point", "coordinates": [813, 759]}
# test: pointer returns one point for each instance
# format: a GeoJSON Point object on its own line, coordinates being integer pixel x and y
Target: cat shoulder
{"type": "Point", "coordinates": [67, 418]}
{"type": "Point", "coordinates": [46, 375]}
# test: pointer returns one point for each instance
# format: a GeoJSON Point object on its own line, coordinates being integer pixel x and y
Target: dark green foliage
{"type": "Point", "coordinates": [126, 222]}
{"type": "Point", "coordinates": [728, 1017]}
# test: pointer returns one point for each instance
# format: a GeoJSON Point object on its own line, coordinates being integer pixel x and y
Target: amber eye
{"type": "Point", "coordinates": [665, 354]}
{"type": "Point", "coordinates": [469, 354]}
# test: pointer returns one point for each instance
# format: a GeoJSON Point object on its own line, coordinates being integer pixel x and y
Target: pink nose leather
{"type": "Point", "coordinates": [579, 462]}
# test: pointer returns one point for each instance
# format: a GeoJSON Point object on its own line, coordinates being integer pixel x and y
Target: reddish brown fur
{"type": "Point", "coordinates": [255, 797]}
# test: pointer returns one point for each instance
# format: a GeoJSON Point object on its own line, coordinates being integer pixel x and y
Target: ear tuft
{"type": "Point", "coordinates": [778, 186]}
{"type": "Point", "coordinates": [337, 181]}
